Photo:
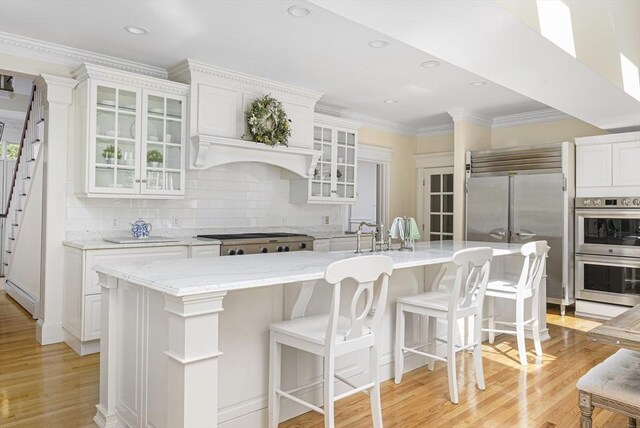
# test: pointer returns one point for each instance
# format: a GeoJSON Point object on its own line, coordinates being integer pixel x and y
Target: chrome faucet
{"type": "Point", "coordinates": [377, 238]}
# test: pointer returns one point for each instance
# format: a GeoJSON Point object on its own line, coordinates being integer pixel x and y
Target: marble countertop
{"type": "Point", "coordinates": [99, 244]}
{"type": "Point", "coordinates": [183, 277]}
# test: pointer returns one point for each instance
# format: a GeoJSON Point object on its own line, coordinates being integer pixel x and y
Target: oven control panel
{"type": "Point", "coordinates": [608, 202]}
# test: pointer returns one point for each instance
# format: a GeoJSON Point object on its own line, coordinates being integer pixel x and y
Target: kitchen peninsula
{"type": "Point", "coordinates": [165, 338]}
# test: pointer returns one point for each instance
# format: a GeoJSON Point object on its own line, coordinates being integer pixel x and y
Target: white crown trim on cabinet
{"type": "Point", "coordinates": [370, 153]}
{"type": "Point", "coordinates": [185, 70]}
{"type": "Point", "coordinates": [72, 57]}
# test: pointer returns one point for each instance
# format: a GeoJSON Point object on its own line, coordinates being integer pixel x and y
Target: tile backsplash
{"type": "Point", "coordinates": [229, 197]}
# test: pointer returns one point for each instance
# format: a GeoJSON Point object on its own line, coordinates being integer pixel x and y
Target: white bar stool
{"type": "Point", "coordinates": [460, 302]}
{"type": "Point", "coordinates": [535, 254]}
{"type": "Point", "coordinates": [332, 335]}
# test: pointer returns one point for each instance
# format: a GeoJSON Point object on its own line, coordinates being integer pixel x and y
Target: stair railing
{"type": "Point", "coordinates": [12, 190]}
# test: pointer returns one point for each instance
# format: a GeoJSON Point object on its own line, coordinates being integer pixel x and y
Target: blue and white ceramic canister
{"type": "Point", "coordinates": [140, 229]}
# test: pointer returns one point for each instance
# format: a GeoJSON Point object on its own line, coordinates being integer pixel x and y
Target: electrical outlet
{"type": "Point", "coordinates": [116, 222]}
{"type": "Point", "coordinates": [326, 219]}
{"type": "Point", "coordinates": [176, 221]}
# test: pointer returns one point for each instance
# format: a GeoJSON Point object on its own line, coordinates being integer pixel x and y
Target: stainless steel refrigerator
{"type": "Point", "coordinates": [526, 194]}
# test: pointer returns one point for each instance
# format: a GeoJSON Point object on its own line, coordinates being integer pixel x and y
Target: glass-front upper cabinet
{"type": "Point", "coordinates": [334, 178]}
{"type": "Point", "coordinates": [163, 145]}
{"type": "Point", "coordinates": [115, 145]}
{"type": "Point", "coordinates": [130, 136]}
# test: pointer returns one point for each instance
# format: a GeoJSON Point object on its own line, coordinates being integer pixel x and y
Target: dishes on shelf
{"type": "Point", "coordinates": [107, 103]}
{"type": "Point", "coordinates": [156, 110]}
{"type": "Point", "coordinates": [152, 131]}
{"type": "Point", "coordinates": [152, 138]}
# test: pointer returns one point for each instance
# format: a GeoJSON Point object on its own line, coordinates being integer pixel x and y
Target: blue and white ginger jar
{"type": "Point", "coordinates": [140, 229]}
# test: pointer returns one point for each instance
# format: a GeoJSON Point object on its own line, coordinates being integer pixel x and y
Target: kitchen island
{"type": "Point", "coordinates": [171, 357]}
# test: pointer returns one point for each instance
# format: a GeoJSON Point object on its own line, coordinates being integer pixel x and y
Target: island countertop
{"type": "Point", "coordinates": [185, 277]}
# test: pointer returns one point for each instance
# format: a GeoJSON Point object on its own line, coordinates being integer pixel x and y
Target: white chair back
{"type": "Point", "coordinates": [535, 257]}
{"type": "Point", "coordinates": [475, 263]}
{"type": "Point", "coordinates": [366, 271]}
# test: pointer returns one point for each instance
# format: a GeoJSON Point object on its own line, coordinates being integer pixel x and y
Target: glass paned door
{"type": "Point", "coordinates": [438, 198]}
{"type": "Point", "coordinates": [163, 146]}
{"type": "Point", "coordinates": [115, 138]}
{"type": "Point", "coordinates": [345, 164]}
{"type": "Point", "coordinates": [321, 181]}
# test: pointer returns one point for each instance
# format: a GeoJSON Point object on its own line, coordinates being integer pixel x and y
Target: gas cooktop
{"type": "Point", "coordinates": [230, 236]}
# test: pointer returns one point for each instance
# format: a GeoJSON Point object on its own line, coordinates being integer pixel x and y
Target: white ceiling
{"type": "Point", "coordinates": [323, 51]}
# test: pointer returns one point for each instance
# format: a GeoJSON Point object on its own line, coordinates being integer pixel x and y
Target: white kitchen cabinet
{"type": "Point", "coordinates": [131, 134]}
{"type": "Point", "coordinates": [342, 243]}
{"type": "Point", "coordinates": [204, 251]}
{"type": "Point", "coordinates": [607, 165]}
{"type": "Point", "coordinates": [626, 164]}
{"type": "Point", "coordinates": [593, 165]}
{"type": "Point", "coordinates": [81, 304]}
{"type": "Point", "coordinates": [334, 178]}
{"type": "Point", "coordinates": [321, 245]}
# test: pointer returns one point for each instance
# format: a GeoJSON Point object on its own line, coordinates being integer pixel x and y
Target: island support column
{"type": "Point", "coordinates": [193, 359]}
{"type": "Point", "coordinates": [106, 416]}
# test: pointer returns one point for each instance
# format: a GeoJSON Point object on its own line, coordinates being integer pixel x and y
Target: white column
{"type": "Point", "coordinates": [193, 359]}
{"type": "Point", "coordinates": [470, 132]}
{"type": "Point", "coordinates": [106, 416]}
{"type": "Point", "coordinates": [57, 99]}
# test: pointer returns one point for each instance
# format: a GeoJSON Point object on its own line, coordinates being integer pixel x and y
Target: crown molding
{"type": "Point", "coordinates": [384, 125]}
{"type": "Point", "coordinates": [86, 71]}
{"type": "Point", "coordinates": [519, 119]}
{"type": "Point", "coordinates": [432, 131]}
{"type": "Point", "coordinates": [72, 57]}
{"type": "Point", "coordinates": [325, 119]}
{"type": "Point", "coordinates": [460, 114]}
{"type": "Point", "coordinates": [15, 124]}
{"type": "Point", "coordinates": [186, 70]}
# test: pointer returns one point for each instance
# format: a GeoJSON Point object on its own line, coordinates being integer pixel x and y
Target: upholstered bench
{"type": "Point", "coordinates": [614, 385]}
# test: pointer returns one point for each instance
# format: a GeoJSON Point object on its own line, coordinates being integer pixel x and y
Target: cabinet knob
{"type": "Point", "coordinates": [137, 180]}
{"type": "Point", "coordinates": [144, 180]}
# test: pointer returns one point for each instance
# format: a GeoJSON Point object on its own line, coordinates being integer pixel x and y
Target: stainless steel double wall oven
{"type": "Point", "coordinates": [608, 250]}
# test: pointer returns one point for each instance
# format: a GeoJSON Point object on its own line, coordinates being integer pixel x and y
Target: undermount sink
{"type": "Point", "coordinates": [131, 240]}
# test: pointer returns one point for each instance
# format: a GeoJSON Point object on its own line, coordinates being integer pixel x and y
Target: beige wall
{"type": "Point", "coordinates": [403, 171]}
{"type": "Point", "coordinates": [467, 136]}
{"type": "Point", "coordinates": [541, 133]}
{"type": "Point", "coordinates": [435, 144]}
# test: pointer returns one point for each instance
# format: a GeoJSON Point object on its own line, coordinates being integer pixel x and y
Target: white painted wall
{"type": "Point", "coordinates": [230, 196]}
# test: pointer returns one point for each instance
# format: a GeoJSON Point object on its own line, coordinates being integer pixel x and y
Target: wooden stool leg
{"type": "Point", "coordinates": [586, 409]}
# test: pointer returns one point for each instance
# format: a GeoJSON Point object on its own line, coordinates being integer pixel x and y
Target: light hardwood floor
{"type": "Point", "coordinates": [52, 386]}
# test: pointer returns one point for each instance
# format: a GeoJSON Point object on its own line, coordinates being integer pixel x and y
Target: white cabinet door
{"type": "Point", "coordinates": [96, 257]}
{"type": "Point", "coordinates": [626, 164]}
{"type": "Point", "coordinates": [91, 323]}
{"type": "Point", "coordinates": [205, 251]}
{"type": "Point", "coordinates": [321, 245]}
{"type": "Point", "coordinates": [593, 165]}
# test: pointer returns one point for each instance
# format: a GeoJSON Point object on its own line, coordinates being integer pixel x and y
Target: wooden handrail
{"type": "Point", "coordinates": [15, 169]}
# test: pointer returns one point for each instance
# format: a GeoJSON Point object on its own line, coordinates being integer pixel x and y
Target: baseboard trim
{"type": "Point", "coordinates": [103, 420]}
{"type": "Point", "coordinates": [48, 333]}
{"type": "Point", "coordinates": [25, 299]}
{"type": "Point", "coordinates": [81, 348]}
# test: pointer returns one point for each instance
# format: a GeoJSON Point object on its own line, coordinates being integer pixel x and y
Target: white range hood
{"type": "Point", "coordinates": [212, 150]}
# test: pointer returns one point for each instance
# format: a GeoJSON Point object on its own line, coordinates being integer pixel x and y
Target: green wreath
{"type": "Point", "coordinates": [267, 122]}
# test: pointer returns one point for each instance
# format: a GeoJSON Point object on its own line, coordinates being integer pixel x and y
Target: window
{"type": "Point", "coordinates": [11, 151]}
{"type": "Point", "coordinates": [438, 188]}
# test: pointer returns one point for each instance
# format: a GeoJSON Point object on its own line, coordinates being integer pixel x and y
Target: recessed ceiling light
{"type": "Point", "coordinates": [478, 83]}
{"type": "Point", "coordinates": [298, 11]}
{"type": "Point", "coordinates": [138, 31]}
{"type": "Point", "coordinates": [378, 43]}
{"type": "Point", "coordinates": [390, 101]}
{"type": "Point", "coordinates": [430, 64]}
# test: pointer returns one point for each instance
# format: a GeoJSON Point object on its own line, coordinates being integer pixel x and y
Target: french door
{"type": "Point", "coordinates": [437, 221]}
